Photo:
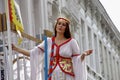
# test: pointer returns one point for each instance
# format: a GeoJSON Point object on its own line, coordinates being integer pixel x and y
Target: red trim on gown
{"type": "Point", "coordinates": [61, 61]}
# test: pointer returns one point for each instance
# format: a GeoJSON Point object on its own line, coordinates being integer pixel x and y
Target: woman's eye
{"type": "Point", "coordinates": [61, 24]}
{"type": "Point", "coordinates": [64, 24]}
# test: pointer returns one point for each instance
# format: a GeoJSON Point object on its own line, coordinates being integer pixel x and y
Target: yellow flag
{"type": "Point", "coordinates": [15, 18]}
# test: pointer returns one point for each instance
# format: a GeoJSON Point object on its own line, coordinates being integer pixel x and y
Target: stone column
{"type": "Point", "coordinates": [104, 62]}
{"type": "Point", "coordinates": [44, 14]}
{"type": "Point", "coordinates": [119, 67]}
{"type": "Point", "coordinates": [113, 63]}
{"type": "Point", "coordinates": [116, 69]}
{"type": "Point", "coordinates": [28, 17]}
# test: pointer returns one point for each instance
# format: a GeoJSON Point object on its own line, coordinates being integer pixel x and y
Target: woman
{"type": "Point", "coordinates": [64, 58]}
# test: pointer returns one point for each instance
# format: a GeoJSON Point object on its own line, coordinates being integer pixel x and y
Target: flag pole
{"type": "Point", "coordinates": [45, 59]}
{"type": "Point", "coordinates": [9, 41]}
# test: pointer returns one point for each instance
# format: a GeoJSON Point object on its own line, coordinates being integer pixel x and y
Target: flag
{"type": "Point", "coordinates": [15, 18]}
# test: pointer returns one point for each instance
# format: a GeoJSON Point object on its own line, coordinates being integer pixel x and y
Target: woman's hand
{"type": "Point", "coordinates": [14, 47]}
{"type": "Point", "coordinates": [86, 53]}
{"type": "Point", "coordinates": [20, 50]}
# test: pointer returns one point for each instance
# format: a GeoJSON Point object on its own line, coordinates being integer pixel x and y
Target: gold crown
{"type": "Point", "coordinates": [68, 21]}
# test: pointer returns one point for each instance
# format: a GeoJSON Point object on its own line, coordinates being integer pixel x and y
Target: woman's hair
{"type": "Point", "coordinates": [67, 33]}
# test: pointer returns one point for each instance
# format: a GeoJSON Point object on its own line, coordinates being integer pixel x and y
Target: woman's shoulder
{"type": "Point", "coordinates": [73, 40]}
{"type": "Point", "coordinates": [49, 39]}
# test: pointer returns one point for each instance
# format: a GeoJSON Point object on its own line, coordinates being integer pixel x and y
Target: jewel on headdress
{"type": "Point", "coordinates": [63, 16]}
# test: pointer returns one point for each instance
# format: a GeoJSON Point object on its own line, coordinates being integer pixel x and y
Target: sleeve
{"type": "Point", "coordinates": [36, 61]}
{"type": "Point", "coordinates": [75, 47]}
{"type": "Point", "coordinates": [41, 45]}
{"type": "Point", "coordinates": [79, 67]}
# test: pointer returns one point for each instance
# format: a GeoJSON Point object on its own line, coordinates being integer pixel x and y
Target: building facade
{"type": "Point", "coordinates": [90, 26]}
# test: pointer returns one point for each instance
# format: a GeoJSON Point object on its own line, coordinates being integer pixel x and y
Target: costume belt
{"type": "Point", "coordinates": [64, 63]}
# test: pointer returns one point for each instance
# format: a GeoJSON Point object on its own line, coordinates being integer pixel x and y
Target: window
{"type": "Point", "coordinates": [101, 57]}
{"type": "Point", "coordinates": [96, 53]}
{"type": "Point", "coordinates": [83, 35]}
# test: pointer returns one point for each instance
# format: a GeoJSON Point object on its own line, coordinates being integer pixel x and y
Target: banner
{"type": "Point", "coordinates": [15, 18]}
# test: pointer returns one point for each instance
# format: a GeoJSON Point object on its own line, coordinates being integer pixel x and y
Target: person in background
{"type": "Point", "coordinates": [64, 58]}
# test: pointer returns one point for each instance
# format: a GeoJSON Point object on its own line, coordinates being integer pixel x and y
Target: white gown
{"type": "Point", "coordinates": [66, 49]}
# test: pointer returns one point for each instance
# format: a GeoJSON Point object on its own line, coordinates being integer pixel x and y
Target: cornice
{"type": "Point", "coordinates": [103, 12]}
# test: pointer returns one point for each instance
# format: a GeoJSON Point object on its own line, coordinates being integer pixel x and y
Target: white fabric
{"type": "Point", "coordinates": [66, 50]}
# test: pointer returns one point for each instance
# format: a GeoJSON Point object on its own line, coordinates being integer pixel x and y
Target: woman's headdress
{"type": "Point", "coordinates": [64, 18]}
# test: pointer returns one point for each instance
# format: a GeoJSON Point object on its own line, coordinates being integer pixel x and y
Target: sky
{"type": "Point", "coordinates": [112, 8]}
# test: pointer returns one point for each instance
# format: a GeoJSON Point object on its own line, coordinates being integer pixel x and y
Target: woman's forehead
{"type": "Point", "coordinates": [62, 20]}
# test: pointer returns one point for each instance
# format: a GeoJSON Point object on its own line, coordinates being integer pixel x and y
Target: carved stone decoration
{"type": "Point", "coordinates": [88, 5]}
{"type": "Point", "coordinates": [93, 11]}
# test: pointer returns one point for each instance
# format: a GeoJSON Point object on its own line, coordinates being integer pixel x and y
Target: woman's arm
{"type": "Point", "coordinates": [20, 50]}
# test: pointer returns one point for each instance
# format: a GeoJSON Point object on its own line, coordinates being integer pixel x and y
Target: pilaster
{"type": "Point", "coordinates": [93, 55]}
{"type": "Point", "coordinates": [30, 19]}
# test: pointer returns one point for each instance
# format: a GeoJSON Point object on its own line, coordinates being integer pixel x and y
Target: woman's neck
{"type": "Point", "coordinates": [60, 37]}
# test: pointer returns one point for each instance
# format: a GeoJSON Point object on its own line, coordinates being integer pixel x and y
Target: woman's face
{"type": "Point", "coordinates": [61, 26]}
